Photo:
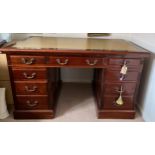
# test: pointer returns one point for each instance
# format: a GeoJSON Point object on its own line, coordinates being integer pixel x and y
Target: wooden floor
{"type": "Point", "coordinates": [76, 104]}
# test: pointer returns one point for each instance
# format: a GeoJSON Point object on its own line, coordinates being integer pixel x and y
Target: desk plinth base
{"type": "Point", "coordinates": [31, 114]}
{"type": "Point", "coordinates": [116, 114]}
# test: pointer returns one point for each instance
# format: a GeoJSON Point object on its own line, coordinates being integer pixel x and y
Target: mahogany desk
{"type": "Point", "coordinates": [34, 66]}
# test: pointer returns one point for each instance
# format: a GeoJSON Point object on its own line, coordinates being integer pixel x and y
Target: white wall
{"type": "Point", "coordinates": [75, 35]}
{"type": "Point", "coordinates": [5, 36]}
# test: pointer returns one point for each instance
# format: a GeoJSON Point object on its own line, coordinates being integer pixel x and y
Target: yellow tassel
{"type": "Point", "coordinates": [119, 101]}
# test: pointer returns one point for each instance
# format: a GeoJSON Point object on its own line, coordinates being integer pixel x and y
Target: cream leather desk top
{"type": "Point", "coordinates": [77, 44]}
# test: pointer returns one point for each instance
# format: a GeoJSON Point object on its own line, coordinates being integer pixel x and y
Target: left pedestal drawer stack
{"type": "Point", "coordinates": [33, 91]}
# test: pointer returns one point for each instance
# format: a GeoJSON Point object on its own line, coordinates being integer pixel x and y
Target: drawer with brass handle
{"type": "Point", "coordinates": [31, 102]}
{"type": "Point", "coordinates": [29, 74]}
{"type": "Point", "coordinates": [115, 75]}
{"type": "Point", "coordinates": [110, 102]}
{"type": "Point", "coordinates": [120, 62]}
{"type": "Point", "coordinates": [27, 60]}
{"type": "Point", "coordinates": [114, 88]}
{"type": "Point", "coordinates": [31, 88]}
{"type": "Point", "coordinates": [125, 64]}
{"type": "Point", "coordinates": [77, 61]}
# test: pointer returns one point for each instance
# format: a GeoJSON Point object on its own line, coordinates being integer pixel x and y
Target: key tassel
{"type": "Point", "coordinates": [124, 69]}
{"type": "Point", "coordinates": [119, 101]}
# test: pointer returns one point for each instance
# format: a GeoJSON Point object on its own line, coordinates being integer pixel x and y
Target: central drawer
{"type": "Point", "coordinates": [31, 88]}
{"type": "Point", "coordinates": [77, 61]}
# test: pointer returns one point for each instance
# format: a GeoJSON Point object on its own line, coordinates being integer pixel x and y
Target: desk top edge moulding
{"type": "Point", "coordinates": [34, 68]}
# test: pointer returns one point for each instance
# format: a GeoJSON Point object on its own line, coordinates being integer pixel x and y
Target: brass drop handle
{"type": "Point", "coordinates": [30, 104]}
{"type": "Point", "coordinates": [62, 63]}
{"type": "Point", "coordinates": [34, 88]}
{"type": "Point", "coordinates": [121, 90]}
{"type": "Point", "coordinates": [29, 76]}
{"type": "Point", "coordinates": [123, 71]}
{"type": "Point", "coordinates": [91, 63]}
{"type": "Point", "coordinates": [27, 61]}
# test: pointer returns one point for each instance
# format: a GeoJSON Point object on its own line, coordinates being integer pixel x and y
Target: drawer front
{"type": "Point", "coordinates": [31, 88]}
{"type": "Point", "coordinates": [109, 102]}
{"type": "Point", "coordinates": [27, 60]}
{"type": "Point", "coordinates": [77, 61]}
{"type": "Point", "coordinates": [111, 75]}
{"type": "Point", "coordinates": [114, 88]}
{"type": "Point", "coordinates": [31, 103]}
{"type": "Point", "coordinates": [128, 62]}
{"type": "Point", "coordinates": [29, 74]}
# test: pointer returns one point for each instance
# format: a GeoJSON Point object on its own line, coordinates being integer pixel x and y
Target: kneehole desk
{"type": "Point", "coordinates": [34, 67]}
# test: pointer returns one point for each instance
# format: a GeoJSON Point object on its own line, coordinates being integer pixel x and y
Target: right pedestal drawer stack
{"type": "Point", "coordinates": [120, 81]}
